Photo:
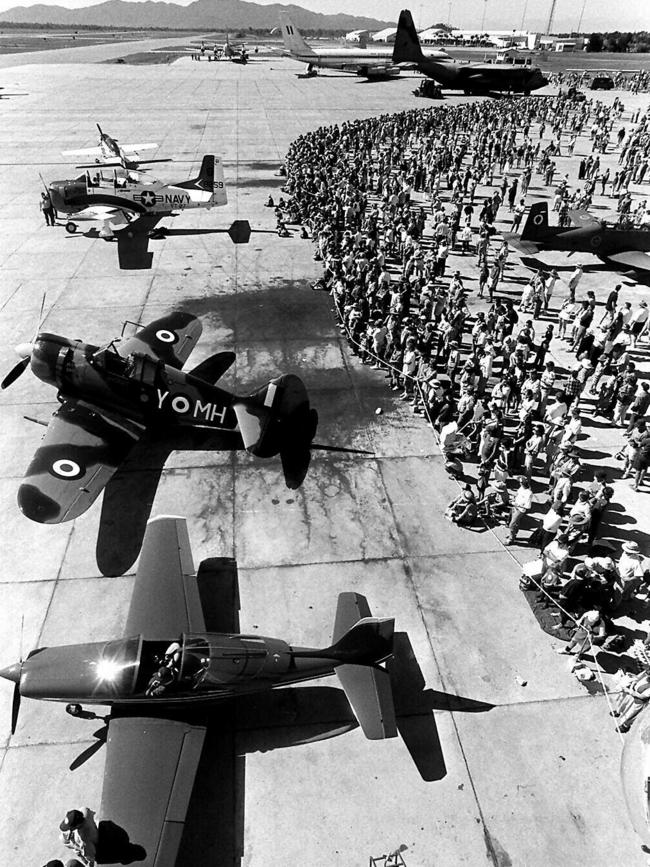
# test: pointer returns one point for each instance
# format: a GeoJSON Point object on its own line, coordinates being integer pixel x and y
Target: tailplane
{"type": "Point", "coordinates": [365, 641]}
{"type": "Point", "coordinates": [277, 419]}
{"type": "Point", "coordinates": [210, 180]}
{"type": "Point", "coordinates": [293, 41]}
{"type": "Point", "coordinates": [407, 44]}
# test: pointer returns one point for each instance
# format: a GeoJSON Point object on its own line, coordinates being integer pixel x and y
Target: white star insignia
{"type": "Point", "coordinates": [148, 199]}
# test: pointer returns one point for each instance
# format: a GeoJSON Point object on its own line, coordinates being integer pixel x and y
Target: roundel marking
{"type": "Point", "coordinates": [180, 403]}
{"type": "Point", "coordinates": [596, 241]}
{"type": "Point", "coordinates": [166, 336]}
{"type": "Point", "coordinates": [538, 219]}
{"type": "Point", "coordinates": [67, 469]}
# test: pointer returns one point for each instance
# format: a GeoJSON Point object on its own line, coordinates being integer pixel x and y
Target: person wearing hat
{"type": "Point", "coordinates": [79, 833]}
{"type": "Point", "coordinates": [630, 569]}
{"type": "Point", "coordinates": [462, 510]}
{"type": "Point", "coordinates": [495, 503]}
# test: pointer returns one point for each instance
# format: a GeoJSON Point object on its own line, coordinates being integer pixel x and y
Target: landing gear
{"type": "Point", "coordinates": [311, 71]}
{"type": "Point", "coordinates": [77, 711]}
{"type": "Point", "coordinates": [71, 227]}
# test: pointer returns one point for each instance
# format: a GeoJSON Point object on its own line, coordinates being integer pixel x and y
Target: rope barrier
{"type": "Point", "coordinates": [418, 385]}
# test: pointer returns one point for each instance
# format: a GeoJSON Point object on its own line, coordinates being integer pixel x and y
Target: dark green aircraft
{"type": "Point", "coordinates": [629, 248]}
{"type": "Point", "coordinates": [166, 666]}
{"type": "Point", "coordinates": [112, 395]}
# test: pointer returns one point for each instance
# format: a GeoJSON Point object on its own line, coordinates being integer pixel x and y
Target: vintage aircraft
{"type": "Point", "coordinates": [130, 204]}
{"type": "Point", "coordinates": [471, 78]}
{"type": "Point", "coordinates": [629, 248]}
{"type": "Point", "coordinates": [234, 51]}
{"type": "Point", "coordinates": [374, 63]}
{"type": "Point", "coordinates": [109, 152]}
{"type": "Point", "coordinates": [167, 666]}
{"type": "Point", "coordinates": [110, 396]}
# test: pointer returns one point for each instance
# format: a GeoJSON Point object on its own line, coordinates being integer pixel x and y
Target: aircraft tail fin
{"type": "Point", "coordinates": [210, 179]}
{"type": "Point", "coordinates": [277, 419]}
{"type": "Point", "coordinates": [536, 226]}
{"type": "Point", "coordinates": [365, 641]}
{"type": "Point", "coordinates": [293, 41]}
{"type": "Point", "coordinates": [407, 44]}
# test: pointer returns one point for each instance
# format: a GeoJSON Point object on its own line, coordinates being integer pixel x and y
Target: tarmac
{"type": "Point", "coordinates": [504, 758]}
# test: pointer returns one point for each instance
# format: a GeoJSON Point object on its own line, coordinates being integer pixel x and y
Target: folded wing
{"type": "Point", "coordinates": [150, 769]}
{"type": "Point", "coordinates": [170, 339]}
{"type": "Point", "coordinates": [165, 600]}
{"type": "Point", "coordinates": [81, 449]}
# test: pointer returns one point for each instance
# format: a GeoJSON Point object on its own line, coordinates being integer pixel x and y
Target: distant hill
{"type": "Point", "coordinates": [209, 14]}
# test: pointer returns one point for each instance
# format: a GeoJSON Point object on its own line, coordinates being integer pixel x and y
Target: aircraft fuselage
{"type": "Point", "coordinates": [207, 667]}
{"type": "Point", "coordinates": [142, 389]}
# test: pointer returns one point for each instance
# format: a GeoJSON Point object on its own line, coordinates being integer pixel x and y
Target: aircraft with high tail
{"type": "Point", "coordinates": [373, 63]}
{"type": "Point", "coordinates": [166, 667]}
{"type": "Point", "coordinates": [477, 78]}
{"type": "Point", "coordinates": [110, 396]}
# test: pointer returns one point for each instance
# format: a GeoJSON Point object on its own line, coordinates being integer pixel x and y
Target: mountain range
{"type": "Point", "coordinates": [220, 14]}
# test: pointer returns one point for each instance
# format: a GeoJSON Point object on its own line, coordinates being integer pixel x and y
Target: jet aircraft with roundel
{"type": "Point", "coordinates": [110, 396]}
{"type": "Point", "coordinates": [130, 204]}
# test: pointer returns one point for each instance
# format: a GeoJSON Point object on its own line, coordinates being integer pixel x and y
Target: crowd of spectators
{"type": "Point", "coordinates": [385, 201]}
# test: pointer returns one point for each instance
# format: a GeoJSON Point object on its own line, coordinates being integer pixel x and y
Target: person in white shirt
{"type": "Point", "coordinates": [521, 504]}
{"type": "Point", "coordinates": [79, 833]}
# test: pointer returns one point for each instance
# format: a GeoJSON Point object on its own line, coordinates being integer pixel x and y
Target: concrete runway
{"type": "Point", "coordinates": [532, 781]}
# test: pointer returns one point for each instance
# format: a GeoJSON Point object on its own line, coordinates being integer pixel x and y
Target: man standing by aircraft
{"type": "Point", "coordinates": [47, 208]}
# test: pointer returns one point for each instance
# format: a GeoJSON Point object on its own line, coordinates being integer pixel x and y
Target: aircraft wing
{"type": "Point", "coordinates": [81, 449]}
{"type": "Point", "coordinates": [165, 600]}
{"type": "Point", "coordinates": [636, 259]}
{"type": "Point", "coordinates": [149, 775]}
{"type": "Point", "coordinates": [136, 148]}
{"type": "Point", "coordinates": [84, 152]}
{"type": "Point", "coordinates": [583, 219]}
{"type": "Point", "coordinates": [133, 242]}
{"type": "Point", "coordinates": [170, 338]}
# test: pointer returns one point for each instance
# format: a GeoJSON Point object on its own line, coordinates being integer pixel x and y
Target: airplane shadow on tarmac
{"type": "Point", "coordinates": [278, 719]}
{"type": "Point", "coordinates": [129, 495]}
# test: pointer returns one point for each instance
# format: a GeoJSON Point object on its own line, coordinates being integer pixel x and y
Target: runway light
{"type": "Point", "coordinates": [107, 669]}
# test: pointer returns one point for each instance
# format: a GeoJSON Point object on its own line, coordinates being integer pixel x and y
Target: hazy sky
{"type": "Point", "coordinates": [499, 14]}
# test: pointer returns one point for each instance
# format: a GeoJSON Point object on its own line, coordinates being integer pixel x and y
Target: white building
{"type": "Point", "coordinates": [386, 35]}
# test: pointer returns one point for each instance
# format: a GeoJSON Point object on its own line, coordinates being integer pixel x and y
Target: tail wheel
{"type": "Point", "coordinates": [71, 227]}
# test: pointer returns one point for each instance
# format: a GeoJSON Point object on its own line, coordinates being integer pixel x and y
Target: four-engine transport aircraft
{"type": "Point", "coordinates": [130, 204]}
{"type": "Point", "coordinates": [629, 248]}
{"type": "Point", "coordinates": [470, 78]}
{"type": "Point", "coordinates": [110, 152]}
{"type": "Point", "coordinates": [375, 62]}
{"type": "Point", "coordinates": [110, 396]}
{"type": "Point", "coordinates": [166, 666]}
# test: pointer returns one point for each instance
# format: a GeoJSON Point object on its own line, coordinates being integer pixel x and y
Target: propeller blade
{"type": "Point", "coordinates": [15, 707]}
{"type": "Point", "coordinates": [89, 752]}
{"type": "Point", "coordinates": [15, 372]}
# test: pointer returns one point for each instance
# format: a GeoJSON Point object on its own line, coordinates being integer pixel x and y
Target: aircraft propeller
{"type": "Point", "coordinates": [24, 351]}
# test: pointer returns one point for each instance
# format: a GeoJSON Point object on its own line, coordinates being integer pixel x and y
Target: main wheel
{"type": "Point", "coordinates": [71, 227]}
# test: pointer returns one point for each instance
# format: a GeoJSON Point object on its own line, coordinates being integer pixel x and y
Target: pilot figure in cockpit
{"type": "Point", "coordinates": [160, 682]}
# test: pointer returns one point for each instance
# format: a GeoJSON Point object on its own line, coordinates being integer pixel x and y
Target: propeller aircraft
{"type": "Point", "coordinates": [110, 152]}
{"type": "Point", "coordinates": [111, 396]}
{"type": "Point", "coordinates": [629, 248]}
{"type": "Point", "coordinates": [166, 666]}
{"type": "Point", "coordinates": [470, 78]}
{"type": "Point", "coordinates": [130, 204]}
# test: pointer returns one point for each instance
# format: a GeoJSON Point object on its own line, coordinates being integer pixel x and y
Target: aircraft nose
{"type": "Point", "coordinates": [24, 350]}
{"type": "Point", "coordinates": [11, 672]}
